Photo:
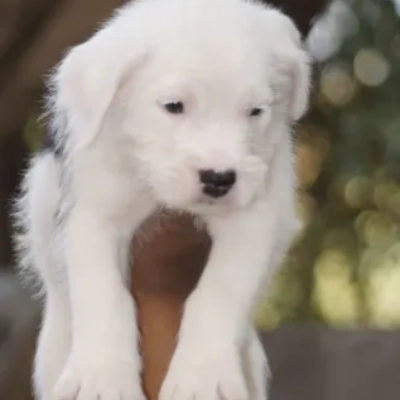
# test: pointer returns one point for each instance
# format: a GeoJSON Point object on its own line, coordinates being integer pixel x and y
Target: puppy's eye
{"type": "Point", "coordinates": [176, 107]}
{"type": "Point", "coordinates": [255, 112]}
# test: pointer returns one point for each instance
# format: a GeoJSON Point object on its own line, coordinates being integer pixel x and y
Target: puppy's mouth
{"type": "Point", "coordinates": [205, 204]}
{"type": "Point", "coordinates": [215, 201]}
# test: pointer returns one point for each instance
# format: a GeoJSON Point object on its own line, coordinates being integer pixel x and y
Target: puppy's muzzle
{"type": "Point", "coordinates": [217, 184]}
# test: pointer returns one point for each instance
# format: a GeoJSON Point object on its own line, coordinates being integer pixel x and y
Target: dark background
{"type": "Point", "coordinates": [330, 322]}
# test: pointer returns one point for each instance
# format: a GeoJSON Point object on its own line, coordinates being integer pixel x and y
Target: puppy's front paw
{"type": "Point", "coordinates": [110, 380]}
{"type": "Point", "coordinates": [193, 375]}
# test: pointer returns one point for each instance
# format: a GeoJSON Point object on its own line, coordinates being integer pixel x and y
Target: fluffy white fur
{"type": "Point", "coordinates": [122, 156]}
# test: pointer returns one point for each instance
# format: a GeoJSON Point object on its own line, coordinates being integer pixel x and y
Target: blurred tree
{"type": "Point", "coordinates": [33, 36]}
{"type": "Point", "coordinates": [345, 269]}
{"type": "Point", "coordinates": [12, 152]}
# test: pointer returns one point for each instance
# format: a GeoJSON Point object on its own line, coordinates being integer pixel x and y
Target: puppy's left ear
{"type": "Point", "coordinates": [292, 64]}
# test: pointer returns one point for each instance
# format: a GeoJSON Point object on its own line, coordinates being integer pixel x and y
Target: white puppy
{"type": "Point", "coordinates": [178, 104]}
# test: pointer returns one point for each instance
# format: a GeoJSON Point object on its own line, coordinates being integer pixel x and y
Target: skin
{"type": "Point", "coordinates": [169, 264]}
{"type": "Point", "coordinates": [167, 268]}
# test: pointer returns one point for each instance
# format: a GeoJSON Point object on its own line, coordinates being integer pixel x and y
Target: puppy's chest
{"type": "Point", "coordinates": [114, 190]}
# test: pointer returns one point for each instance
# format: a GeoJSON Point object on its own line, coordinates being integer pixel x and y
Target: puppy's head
{"type": "Point", "coordinates": [202, 92]}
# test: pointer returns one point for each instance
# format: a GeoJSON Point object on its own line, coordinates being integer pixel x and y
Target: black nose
{"type": "Point", "coordinates": [217, 184]}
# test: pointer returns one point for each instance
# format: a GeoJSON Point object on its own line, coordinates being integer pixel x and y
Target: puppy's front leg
{"type": "Point", "coordinates": [104, 363]}
{"type": "Point", "coordinates": [207, 364]}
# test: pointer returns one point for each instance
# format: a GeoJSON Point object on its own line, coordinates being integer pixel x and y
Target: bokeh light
{"type": "Point", "coordinates": [344, 268]}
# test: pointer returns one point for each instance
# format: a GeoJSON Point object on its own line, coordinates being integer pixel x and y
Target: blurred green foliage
{"type": "Point", "coordinates": [34, 131]}
{"type": "Point", "coordinates": [344, 269]}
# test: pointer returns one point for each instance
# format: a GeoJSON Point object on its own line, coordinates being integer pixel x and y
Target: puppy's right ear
{"type": "Point", "coordinates": [291, 63]}
{"type": "Point", "coordinates": [87, 81]}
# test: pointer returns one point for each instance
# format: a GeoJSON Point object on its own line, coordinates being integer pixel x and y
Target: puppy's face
{"type": "Point", "coordinates": [197, 123]}
{"type": "Point", "coordinates": [205, 121]}
{"type": "Point", "coordinates": [205, 113]}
